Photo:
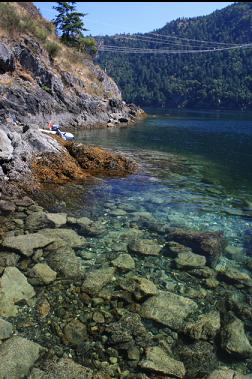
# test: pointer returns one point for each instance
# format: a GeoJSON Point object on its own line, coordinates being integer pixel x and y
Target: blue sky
{"type": "Point", "coordinates": [131, 17]}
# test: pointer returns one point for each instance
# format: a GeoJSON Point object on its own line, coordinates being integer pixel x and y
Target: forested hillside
{"type": "Point", "coordinates": [210, 80]}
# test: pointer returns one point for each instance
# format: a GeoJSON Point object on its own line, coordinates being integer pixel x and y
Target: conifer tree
{"type": "Point", "coordinates": [69, 23]}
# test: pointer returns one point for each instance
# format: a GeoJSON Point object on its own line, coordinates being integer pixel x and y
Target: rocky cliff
{"type": "Point", "coordinates": [42, 80]}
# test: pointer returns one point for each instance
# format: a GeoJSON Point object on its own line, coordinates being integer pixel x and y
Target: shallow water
{"type": "Point", "coordinates": [195, 173]}
{"type": "Point", "coordinates": [209, 186]}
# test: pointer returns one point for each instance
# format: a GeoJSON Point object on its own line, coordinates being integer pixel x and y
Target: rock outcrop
{"type": "Point", "coordinates": [67, 89]}
{"type": "Point", "coordinates": [79, 94]}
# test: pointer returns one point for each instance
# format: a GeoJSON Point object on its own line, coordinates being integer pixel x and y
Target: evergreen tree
{"type": "Point", "coordinates": [69, 23]}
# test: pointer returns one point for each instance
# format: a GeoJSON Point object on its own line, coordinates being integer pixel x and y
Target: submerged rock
{"type": "Point", "coordinates": [58, 219]}
{"type": "Point", "coordinates": [158, 361]}
{"type": "Point", "coordinates": [168, 309]}
{"type": "Point", "coordinates": [8, 259]}
{"type": "Point", "coordinates": [234, 340]}
{"type": "Point", "coordinates": [175, 248]}
{"type": "Point", "coordinates": [226, 374]}
{"type": "Point", "coordinates": [86, 227]}
{"type": "Point", "coordinates": [13, 288]}
{"type": "Point", "coordinates": [64, 261]}
{"type": "Point", "coordinates": [75, 332]}
{"type": "Point", "coordinates": [67, 236]}
{"type": "Point", "coordinates": [36, 221]}
{"type": "Point", "coordinates": [234, 276]}
{"type": "Point", "coordinates": [128, 331]}
{"type": "Point", "coordinates": [5, 329]}
{"type": "Point", "coordinates": [27, 243]}
{"type": "Point", "coordinates": [124, 262]}
{"type": "Point", "coordinates": [209, 244]}
{"type": "Point", "coordinates": [17, 356]}
{"type": "Point", "coordinates": [140, 287]}
{"type": "Point", "coordinates": [205, 328]}
{"type": "Point", "coordinates": [65, 368]}
{"type": "Point", "coordinates": [97, 279]}
{"type": "Point", "coordinates": [43, 273]}
{"type": "Point", "coordinates": [190, 260]}
{"type": "Point", "coordinates": [199, 358]}
{"type": "Point", "coordinates": [144, 247]}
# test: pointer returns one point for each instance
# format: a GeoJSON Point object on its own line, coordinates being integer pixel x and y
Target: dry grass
{"type": "Point", "coordinates": [16, 21]}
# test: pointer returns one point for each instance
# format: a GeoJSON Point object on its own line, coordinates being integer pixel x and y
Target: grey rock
{"type": "Point", "coordinates": [75, 332]}
{"type": "Point", "coordinates": [190, 260]}
{"type": "Point", "coordinates": [64, 261]}
{"type": "Point", "coordinates": [226, 374]}
{"type": "Point", "coordinates": [6, 148]}
{"type": "Point", "coordinates": [140, 287]}
{"type": "Point", "coordinates": [168, 309]}
{"type": "Point", "coordinates": [43, 273]}
{"type": "Point", "coordinates": [7, 62]}
{"type": "Point", "coordinates": [65, 368]}
{"type": "Point", "coordinates": [205, 328]}
{"type": "Point", "coordinates": [6, 206]}
{"type": "Point", "coordinates": [27, 243]}
{"type": "Point", "coordinates": [36, 221]}
{"type": "Point", "coordinates": [144, 247]}
{"type": "Point", "coordinates": [128, 331]}
{"type": "Point", "coordinates": [158, 361]}
{"type": "Point", "coordinates": [96, 280]}
{"type": "Point", "coordinates": [234, 276]}
{"type": "Point", "coordinates": [8, 259]}
{"type": "Point", "coordinates": [13, 288]}
{"type": "Point", "coordinates": [58, 219]}
{"type": "Point", "coordinates": [209, 244]}
{"type": "Point", "coordinates": [86, 227]}
{"type": "Point", "coordinates": [66, 236]}
{"type": "Point", "coordinates": [17, 356]}
{"type": "Point", "coordinates": [234, 340]}
{"type": "Point", "coordinates": [5, 329]}
{"type": "Point", "coordinates": [199, 358]}
{"type": "Point", "coordinates": [124, 262]}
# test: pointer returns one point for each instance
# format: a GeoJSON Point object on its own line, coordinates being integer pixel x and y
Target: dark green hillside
{"type": "Point", "coordinates": [211, 80]}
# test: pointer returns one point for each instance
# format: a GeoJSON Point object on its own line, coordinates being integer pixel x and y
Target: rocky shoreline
{"type": "Point", "coordinates": [120, 294]}
{"type": "Point", "coordinates": [71, 312]}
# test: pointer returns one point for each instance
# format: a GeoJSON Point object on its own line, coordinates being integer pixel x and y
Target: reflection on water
{"type": "Point", "coordinates": [195, 172]}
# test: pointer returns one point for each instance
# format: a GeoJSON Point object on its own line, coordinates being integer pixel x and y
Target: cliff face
{"type": "Point", "coordinates": [68, 89]}
{"type": "Point", "coordinates": [37, 86]}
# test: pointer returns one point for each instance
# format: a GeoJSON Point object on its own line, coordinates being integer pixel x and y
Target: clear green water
{"type": "Point", "coordinates": [195, 172]}
{"type": "Point", "coordinates": [208, 187]}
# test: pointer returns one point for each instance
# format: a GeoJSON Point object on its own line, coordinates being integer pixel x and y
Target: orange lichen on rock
{"type": "Point", "coordinates": [78, 162]}
{"type": "Point", "coordinates": [96, 160]}
{"type": "Point", "coordinates": [57, 168]}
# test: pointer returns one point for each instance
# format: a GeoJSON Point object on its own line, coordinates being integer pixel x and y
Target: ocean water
{"type": "Point", "coordinates": [196, 171]}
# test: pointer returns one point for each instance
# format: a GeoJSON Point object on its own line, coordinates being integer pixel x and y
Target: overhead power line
{"type": "Point", "coordinates": [127, 50]}
{"type": "Point", "coordinates": [154, 40]}
{"type": "Point", "coordinates": [190, 39]}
